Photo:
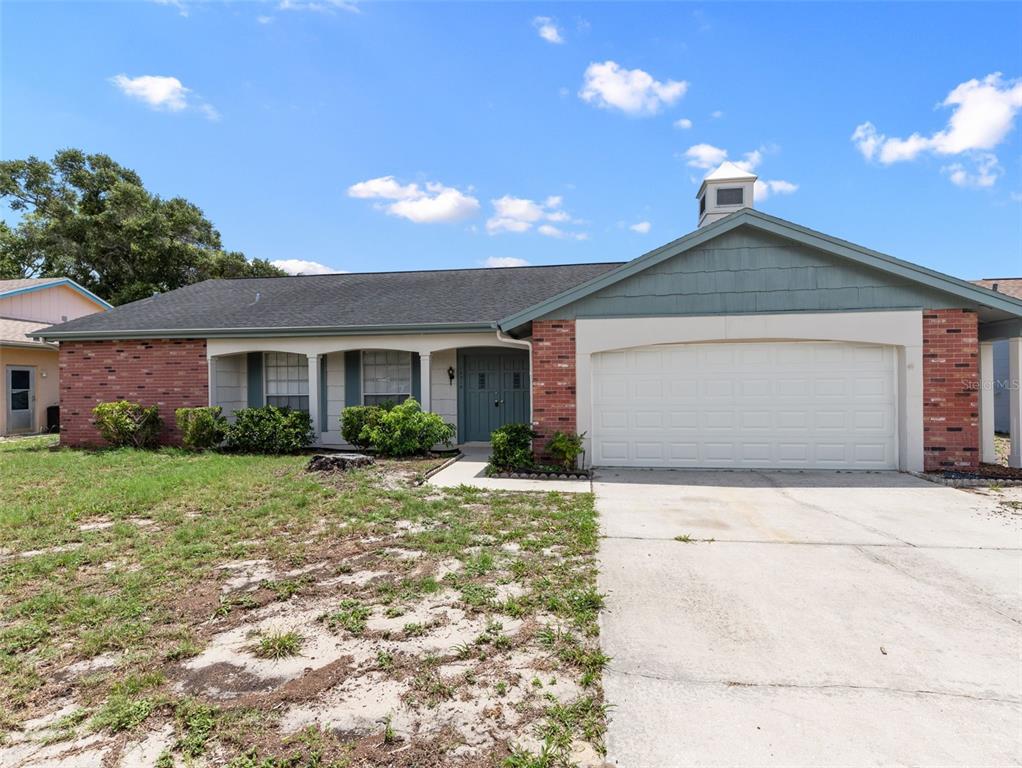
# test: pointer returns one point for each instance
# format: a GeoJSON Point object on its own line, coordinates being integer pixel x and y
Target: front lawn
{"type": "Point", "coordinates": [167, 608]}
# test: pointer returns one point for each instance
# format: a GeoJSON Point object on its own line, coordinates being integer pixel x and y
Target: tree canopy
{"type": "Point", "coordinates": [88, 218]}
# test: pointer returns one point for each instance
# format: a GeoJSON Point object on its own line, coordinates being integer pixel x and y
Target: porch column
{"type": "Point", "coordinates": [424, 381]}
{"type": "Point", "coordinates": [1015, 400]}
{"type": "Point", "coordinates": [314, 396]}
{"type": "Point", "coordinates": [212, 380]}
{"type": "Point", "coordinates": [986, 403]}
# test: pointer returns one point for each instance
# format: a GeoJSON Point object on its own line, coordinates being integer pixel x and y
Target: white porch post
{"type": "Point", "coordinates": [1015, 400]}
{"type": "Point", "coordinates": [986, 403]}
{"type": "Point", "coordinates": [212, 380]}
{"type": "Point", "coordinates": [314, 395]}
{"type": "Point", "coordinates": [425, 383]}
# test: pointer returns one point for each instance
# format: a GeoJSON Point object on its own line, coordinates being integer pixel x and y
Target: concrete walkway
{"type": "Point", "coordinates": [470, 470]}
{"type": "Point", "coordinates": [834, 619]}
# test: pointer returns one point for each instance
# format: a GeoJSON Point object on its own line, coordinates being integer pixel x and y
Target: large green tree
{"type": "Point", "coordinates": [88, 218]}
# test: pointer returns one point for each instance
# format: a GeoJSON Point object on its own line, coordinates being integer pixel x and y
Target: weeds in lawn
{"type": "Point", "coordinates": [279, 645]}
{"type": "Point", "coordinates": [351, 615]}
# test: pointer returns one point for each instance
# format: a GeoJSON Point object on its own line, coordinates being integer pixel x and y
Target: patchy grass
{"type": "Point", "coordinates": [143, 592]}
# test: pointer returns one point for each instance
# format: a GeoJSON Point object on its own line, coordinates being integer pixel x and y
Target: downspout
{"type": "Point", "coordinates": [501, 336]}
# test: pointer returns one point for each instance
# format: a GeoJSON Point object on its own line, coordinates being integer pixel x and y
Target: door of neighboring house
{"type": "Point", "coordinates": [20, 399]}
{"type": "Point", "coordinates": [493, 390]}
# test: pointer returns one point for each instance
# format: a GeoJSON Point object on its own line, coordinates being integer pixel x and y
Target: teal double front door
{"type": "Point", "coordinates": [493, 390]}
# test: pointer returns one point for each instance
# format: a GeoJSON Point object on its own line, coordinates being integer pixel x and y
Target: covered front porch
{"type": "Point", "coordinates": [475, 381]}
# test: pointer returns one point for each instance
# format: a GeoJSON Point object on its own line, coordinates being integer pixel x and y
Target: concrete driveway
{"type": "Point", "coordinates": [835, 619]}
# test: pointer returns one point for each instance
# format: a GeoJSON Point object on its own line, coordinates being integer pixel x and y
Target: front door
{"type": "Point", "coordinates": [20, 399]}
{"type": "Point", "coordinates": [493, 390]}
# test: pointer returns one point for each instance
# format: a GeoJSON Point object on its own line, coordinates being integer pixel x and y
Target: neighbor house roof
{"type": "Point", "coordinates": [16, 333]}
{"type": "Point", "coordinates": [29, 284]}
{"type": "Point", "coordinates": [1009, 286]}
{"type": "Point", "coordinates": [457, 299]}
{"type": "Point", "coordinates": [1005, 305]}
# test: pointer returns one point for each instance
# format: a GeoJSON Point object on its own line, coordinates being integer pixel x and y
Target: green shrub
{"type": "Point", "coordinates": [354, 419]}
{"type": "Point", "coordinates": [201, 428]}
{"type": "Point", "coordinates": [565, 447]}
{"type": "Point", "coordinates": [406, 430]}
{"type": "Point", "coordinates": [269, 430]}
{"type": "Point", "coordinates": [511, 446]}
{"type": "Point", "coordinates": [125, 423]}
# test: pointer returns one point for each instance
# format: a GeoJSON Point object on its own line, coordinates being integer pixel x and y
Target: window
{"type": "Point", "coordinates": [702, 205]}
{"type": "Point", "coordinates": [386, 376]}
{"type": "Point", "coordinates": [287, 380]}
{"type": "Point", "coordinates": [732, 196]}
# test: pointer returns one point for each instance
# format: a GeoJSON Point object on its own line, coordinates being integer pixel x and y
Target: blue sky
{"type": "Point", "coordinates": [411, 136]}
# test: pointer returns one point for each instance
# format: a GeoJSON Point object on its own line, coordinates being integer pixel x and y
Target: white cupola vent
{"type": "Point", "coordinates": [726, 190]}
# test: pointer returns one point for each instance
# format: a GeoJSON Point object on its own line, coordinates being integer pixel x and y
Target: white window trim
{"type": "Point", "coordinates": [398, 397]}
{"type": "Point", "coordinates": [266, 380]}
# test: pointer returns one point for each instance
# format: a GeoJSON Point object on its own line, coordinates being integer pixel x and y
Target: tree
{"type": "Point", "coordinates": [90, 219]}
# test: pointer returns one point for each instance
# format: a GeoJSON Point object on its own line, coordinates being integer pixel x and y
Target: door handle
{"type": "Point", "coordinates": [497, 403]}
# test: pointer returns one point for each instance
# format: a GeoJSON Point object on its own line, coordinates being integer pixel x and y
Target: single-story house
{"type": "Point", "coordinates": [749, 342]}
{"type": "Point", "coordinates": [30, 374]}
{"type": "Point", "coordinates": [1011, 286]}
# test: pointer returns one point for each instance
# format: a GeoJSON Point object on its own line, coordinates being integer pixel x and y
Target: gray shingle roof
{"type": "Point", "coordinates": [345, 301]}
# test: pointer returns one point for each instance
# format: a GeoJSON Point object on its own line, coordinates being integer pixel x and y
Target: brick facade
{"type": "Point", "coordinates": [170, 373]}
{"type": "Point", "coordinates": [950, 389]}
{"type": "Point", "coordinates": [553, 379]}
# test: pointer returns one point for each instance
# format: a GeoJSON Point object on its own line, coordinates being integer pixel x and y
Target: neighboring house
{"type": "Point", "coordinates": [1010, 286]}
{"type": "Point", "coordinates": [750, 342]}
{"type": "Point", "coordinates": [30, 381]}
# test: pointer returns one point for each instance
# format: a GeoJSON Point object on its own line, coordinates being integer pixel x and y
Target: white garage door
{"type": "Point", "coordinates": [768, 404]}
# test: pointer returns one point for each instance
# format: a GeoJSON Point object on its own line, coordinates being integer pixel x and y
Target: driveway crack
{"type": "Point", "coordinates": [819, 687]}
{"type": "Point", "coordinates": [786, 493]}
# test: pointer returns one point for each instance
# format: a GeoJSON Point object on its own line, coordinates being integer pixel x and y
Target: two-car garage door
{"type": "Point", "coordinates": [765, 404]}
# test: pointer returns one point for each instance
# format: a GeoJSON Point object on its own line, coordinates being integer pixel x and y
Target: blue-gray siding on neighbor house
{"type": "Point", "coordinates": [751, 271]}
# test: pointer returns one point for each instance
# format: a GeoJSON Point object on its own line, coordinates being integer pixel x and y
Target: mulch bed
{"type": "Point", "coordinates": [985, 472]}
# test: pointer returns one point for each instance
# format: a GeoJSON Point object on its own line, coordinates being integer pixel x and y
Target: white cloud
{"type": "Point", "coordinates": [158, 92]}
{"type": "Point", "coordinates": [684, 123]}
{"type": "Point", "coordinates": [302, 267]}
{"type": "Point", "coordinates": [163, 94]}
{"type": "Point", "coordinates": [705, 156]}
{"type": "Point", "coordinates": [549, 230]}
{"type": "Point", "coordinates": [505, 261]}
{"type": "Point", "coordinates": [983, 113]}
{"type": "Point", "coordinates": [750, 160]}
{"type": "Point", "coordinates": [520, 214]}
{"type": "Point", "coordinates": [610, 86]}
{"type": "Point", "coordinates": [717, 114]}
{"type": "Point", "coordinates": [182, 9]}
{"type": "Point", "coordinates": [987, 171]}
{"type": "Point", "coordinates": [264, 19]}
{"type": "Point", "coordinates": [766, 187]}
{"type": "Point", "coordinates": [318, 6]}
{"type": "Point", "coordinates": [547, 29]}
{"type": "Point", "coordinates": [641, 227]}
{"type": "Point", "coordinates": [435, 203]}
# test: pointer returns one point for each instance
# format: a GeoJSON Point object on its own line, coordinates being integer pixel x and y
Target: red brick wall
{"type": "Point", "coordinates": [170, 373]}
{"type": "Point", "coordinates": [950, 388]}
{"type": "Point", "coordinates": [553, 379]}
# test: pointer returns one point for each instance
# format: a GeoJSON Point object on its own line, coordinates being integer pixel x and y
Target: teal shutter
{"type": "Point", "coordinates": [255, 380]}
{"type": "Point", "coordinates": [353, 377]}
{"type": "Point", "coordinates": [416, 377]}
{"type": "Point", "coordinates": [324, 420]}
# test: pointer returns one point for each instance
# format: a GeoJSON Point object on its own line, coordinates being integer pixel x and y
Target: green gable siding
{"type": "Point", "coordinates": [747, 271]}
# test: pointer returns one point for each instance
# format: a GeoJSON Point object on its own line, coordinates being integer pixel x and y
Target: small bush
{"type": "Point", "coordinates": [201, 428]}
{"type": "Point", "coordinates": [406, 430]}
{"type": "Point", "coordinates": [125, 423]}
{"type": "Point", "coordinates": [354, 419]}
{"type": "Point", "coordinates": [565, 447]}
{"type": "Point", "coordinates": [269, 429]}
{"type": "Point", "coordinates": [511, 446]}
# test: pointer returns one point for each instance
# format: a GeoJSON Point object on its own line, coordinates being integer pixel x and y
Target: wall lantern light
{"type": "Point", "coordinates": [450, 373]}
